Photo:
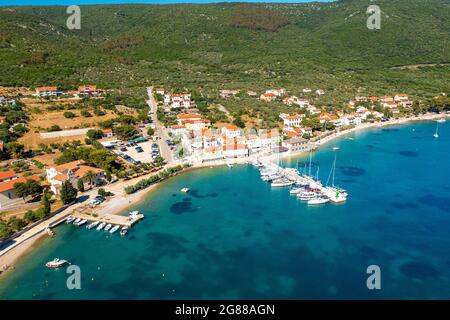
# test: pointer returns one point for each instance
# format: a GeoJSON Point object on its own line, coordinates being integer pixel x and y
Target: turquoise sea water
{"type": "Point", "coordinates": [235, 237]}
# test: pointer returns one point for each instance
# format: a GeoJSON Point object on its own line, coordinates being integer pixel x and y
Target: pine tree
{"type": "Point", "coordinates": [68, 192]}
{"type": "Point", "coordinates": [45, 201]}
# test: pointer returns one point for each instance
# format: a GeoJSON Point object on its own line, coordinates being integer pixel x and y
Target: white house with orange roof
{"type": "Point", "coordinates": [327, 117]}
{"type": "Point", "coordinates": [269, 139]}
{"type": "Point", "coordinates": [197, 124]}
{"type": "Point", "coordinates": [231, 131]}
{"type": "Point", "coordinates": [389, 104]}
{"type": "Point", "coordinates": [49, 91]}
{"type": "Point", "coordinates": [182, 118]}
{"type": "Point", "coordinates": [107, 133]}
{"type": "Point", "coordinates": [293, 120]}
{"type": "Point", "coordinates": [350, 119]}
{"type": "Point", "coordinates": [401, 97]}
{"type": "Point", "coordinates": [89, 90]}
{"type": "Point", "coordinates": [267, 97]}
{"type": "Point", "coordinates": [386, 99]}
{"type": "Point", "coordinates": [72, 171]}
{"type": "Point", "coordinates": [177, 130]}
{"type": "Point", "coordinates": [235, 150]}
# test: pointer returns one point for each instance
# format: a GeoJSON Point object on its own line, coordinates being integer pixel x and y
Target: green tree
{"type": "Point", "coordinates": [30, 216]}
{"type": "Point", "coordinates": [125, 132]}
{"type": "Point", "coordinates": [90, 177]}
{"type": "Point", "coordinates": [94, 134]}
{"type": "Point", "coordinates": [69, 115]}
{"type": "Point", "coordinates": [16, 149]}
{"type": "Point", "coordinates": [108, 176]}
{"type": "Point", "coordinates": [68, 193]}
{"type": "Point", "coordinates": [46, 205]}
{"type": "Point", "coordinates": [16, 224]}
{"type": "Point", "coordinates": [29, 188]}
{"type": "Point", "coordinates": [150, 131]}
{"type": "Point", "coordinates": [80, 185]}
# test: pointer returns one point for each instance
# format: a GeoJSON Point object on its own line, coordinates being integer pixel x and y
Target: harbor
{"type": "Point", "coordinates": [304, 186]}
{"type": "Point", "coordinates": [233, 223]}
{"type": "Point", "coordinates": [107, 222]}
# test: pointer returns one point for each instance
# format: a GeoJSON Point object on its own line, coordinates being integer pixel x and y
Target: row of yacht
{"type": "Point", "coordinates": [108, 227]}
{"type": "Point", "coordinates": [304, 187]}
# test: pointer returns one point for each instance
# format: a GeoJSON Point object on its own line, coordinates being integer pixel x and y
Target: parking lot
{"type": "Point", "coordinates": [140, 152]}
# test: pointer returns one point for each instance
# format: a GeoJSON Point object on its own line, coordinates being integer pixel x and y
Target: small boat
{"type": "Point", "coordinates": [229, 165]}
{"type": "Point", "coordinates": [441, 120]}
{"type": "Point", "coordinates": [114, 229]}
{"type": "Point", "coordinates": [436, 134]}
{"type": "Point", "coordinates": [185, 190]}
{"type": "Point", "coordinates": [319, 200]}
{"type": "Point", "coordinates": [336, 148]}
{"type": "Point", "coordinates": [123, 231]}
{"type": "Point", "coordinates": [134, 213]}
{"type": "Point", "coordinates": [108, 226]}
{"type": "Point", "coordinates": [77, 220]}
{"type": "Point", "coordinates": [101, 226]}
{"type": "Point", "coordinates": [56, 263]}
{"type": "Point", "coordinates": [92, 225]}
{"type": "Point", "coordinates": [81, 222]}
{"type": "Point", "coordinates": [69, 219]}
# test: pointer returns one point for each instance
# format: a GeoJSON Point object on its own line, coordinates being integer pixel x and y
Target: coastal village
{"type": "Point", "coordinates": [117, 150]}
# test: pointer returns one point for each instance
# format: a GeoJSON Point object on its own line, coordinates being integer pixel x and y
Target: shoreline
{"type": "Point", "coordinates": [121, 201]}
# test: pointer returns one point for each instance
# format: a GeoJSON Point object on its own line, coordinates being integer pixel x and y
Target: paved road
{"type": "Point", "coordinates": [166, 153]}
{"type": "Point", "coordinates": [64, 133]}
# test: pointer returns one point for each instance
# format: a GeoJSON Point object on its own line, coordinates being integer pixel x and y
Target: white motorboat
{"type": "Point", "coordinates": [114, 229]}
{"type": "Point", "coordinates": [108, 226]}
{"type": "Point", "coordinates": [318, 200]}
{"type": "Point", "coordinates": [436, 134]}
{"type": "Point", "coordinates": [81, 222]}
{"type": "Point", "coordinates": [77, 220]}
{"type": "Point", "coordinates": [92, 225]}
{"type": "Point", "coordinates": [441, 120]}
{"type": "Point", "coordinates": [56, 263]}
{"type": "Point", "coordinates": [229, 165]}
{"type": "Point", "coordinates": [101, 226]}
{"type": "Point", "coordinates": [134, 213]}
{"type": "Point", "coordinates": [123, 231]}
{"type": "Point", "coordinates": [69, 219]}
{"type": "Point", "coordinates": [185, 190]}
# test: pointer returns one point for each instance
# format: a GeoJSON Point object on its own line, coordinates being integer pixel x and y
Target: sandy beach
{"type": "Point", "coordinates": [121, 201]}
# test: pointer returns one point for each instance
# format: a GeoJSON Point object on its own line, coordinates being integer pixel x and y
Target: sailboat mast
{"type": "Point", "coordinates": [334, 170]}
{"type": "Point", "coordinates": [310, 161]}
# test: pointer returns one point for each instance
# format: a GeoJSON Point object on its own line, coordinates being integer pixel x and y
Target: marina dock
{"type": "Point", "coordinates": [123, 221]}
{"type": "Point", "coordinates": [292, 177]}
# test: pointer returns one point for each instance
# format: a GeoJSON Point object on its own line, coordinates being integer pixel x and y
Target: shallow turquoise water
{"type": "Point", "coordinates": [235, 237]}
